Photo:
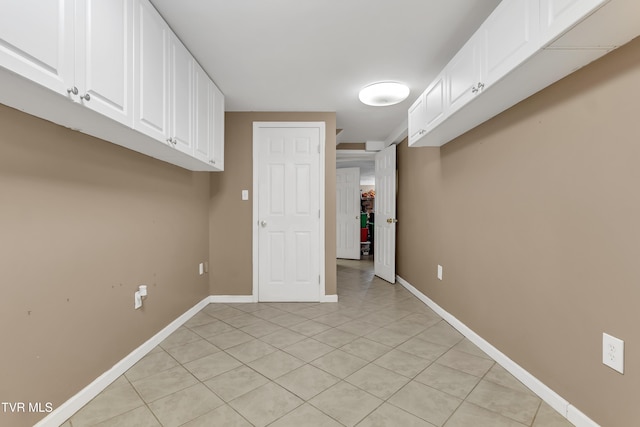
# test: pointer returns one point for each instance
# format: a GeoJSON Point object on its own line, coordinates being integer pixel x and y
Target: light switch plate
{"type": "Point", "coordinates": [201, 268]}
{"type": "Point", "coordinates": [613, 352]}
{"type": "Point", "coordinates": [439, 272]}
{"type": "Point", "coordinates": [245, 194]}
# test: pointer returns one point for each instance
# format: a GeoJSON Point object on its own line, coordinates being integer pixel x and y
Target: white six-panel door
{"type": "Point", "coordinates": [287, 220]}
{"type": "Point", "coordinates": [348, 213]}
{"type": "Point", "coordinates": [385, 208]}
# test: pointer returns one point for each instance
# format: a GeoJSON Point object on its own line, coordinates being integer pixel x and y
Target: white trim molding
{"type": "Point", "coordinates": [552, 398]}
{"type": "Point", "coordinates": [329, 298]}
{"type": "Point", "coordinates": [217, 299]}
{"type": "Point", "coordinates": [84, 396]}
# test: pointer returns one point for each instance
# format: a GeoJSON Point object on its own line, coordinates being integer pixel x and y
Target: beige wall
{"type": "Point", "coordinates": [534, 217]}
{"type": "Point", "coordinates": [231, 221]}
{"type": "Point", "coordinates": [351, 146]}
{"type": "Point", "coordinates": [82, 224]}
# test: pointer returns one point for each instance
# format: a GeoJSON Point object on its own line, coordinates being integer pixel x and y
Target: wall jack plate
{"type": "Point", "coordinates": [613, 352]}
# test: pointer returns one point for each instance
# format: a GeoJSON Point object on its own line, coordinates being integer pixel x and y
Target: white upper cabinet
{"type": "Point", "coordinates": [116, 61]}
{"type": "Point", "coordinates": [209, 120]}
{"type": "Point", "coordinates": [521, 48]}
{"type": "Point", "coordinates": [557, 16]}
{"type": "Point", "coordinates": [104, 57]}
{"type": "Point", "coordinates": [151, 98]}
{"type": "Point", "coordinates": [203, 92]}
{"type": "Point", "coordinates": [181, 101]}
{"type": "Point", "coordinates": [428, 110]}
{"type": "Point", "coordinates": [511, 35]}
{"type": "Point", "coordinates": [463, 74]}
{"type": "Point", "coordinates": [37, 41]}
{"type": "Point", "coordinates": [435, 103]}
{"type": "Point", "coordinates": [217, 157]}
{"type": "Point", "coordinates": [417, 119]}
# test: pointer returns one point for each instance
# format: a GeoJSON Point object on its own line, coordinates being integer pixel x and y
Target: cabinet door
{"type": "Point", "coordinates": [511, 36]}
{"type": "Point", "coordinates": [203, 95]}
{"type": "Point", "coordinates": [104, 57]}
{"type": "Point", "coordinates": [36, 41]}
{"type": "Point", "coordinates": [558, 16]}
{"type": "Point", "coordinates": [463, 73]}
{"type": "Point", "coordinates": [217, 156]}
{"type": "Point", "coordinates": [417, 119]}
{"type": "Point", "coordinates": [181, 99]}
{"type": "Point", "coordinates": [435, 99]}
{"type": "Point", "coordinates": [151, 72]}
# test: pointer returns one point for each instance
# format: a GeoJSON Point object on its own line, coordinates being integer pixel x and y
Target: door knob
{"type": "Point", "coordinates": [392, 220]}
{"type": "Point", "coordinates": [263, 223]}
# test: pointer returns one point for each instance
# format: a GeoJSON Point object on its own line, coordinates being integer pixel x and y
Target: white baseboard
{"type": "Point", "coordinates": [231, 299]}
{"type": "Point", "coordinates": [249, 298]}
{"type": "Point", "coordinates": [552, 398]}
{"type": "Point", "coordinates": [75, 403]}
{"type": "Point", "coordinates": [579, 419]}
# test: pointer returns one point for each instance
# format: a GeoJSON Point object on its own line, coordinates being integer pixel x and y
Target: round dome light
{"type": "Point", "coordinates": [383, 94]}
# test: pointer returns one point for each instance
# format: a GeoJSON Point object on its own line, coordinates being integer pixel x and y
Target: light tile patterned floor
{"type": "Point", "coordinates": [378, 357]}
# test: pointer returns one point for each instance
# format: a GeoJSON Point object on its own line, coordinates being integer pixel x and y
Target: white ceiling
{"type": "Point", "coordinates": [315, 55]}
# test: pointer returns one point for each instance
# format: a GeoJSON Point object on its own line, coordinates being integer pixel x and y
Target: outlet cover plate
{"type": "Point", "coordinates": [613, 352]}
{"type": "Point", "coordinates": [439, 272]}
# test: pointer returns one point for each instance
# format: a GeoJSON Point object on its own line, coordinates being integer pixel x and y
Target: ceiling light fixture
{"type": "Point", "coordinates": [383, 94]}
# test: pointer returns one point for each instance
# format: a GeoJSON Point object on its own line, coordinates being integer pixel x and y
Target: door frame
{"type": "Point", "coordinates": [321, 194]}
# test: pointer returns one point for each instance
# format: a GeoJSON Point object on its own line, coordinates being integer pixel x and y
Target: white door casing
{"type": "Point", "coordinates": [288, 211]}
{"type": "Point", "coordinates": [348, 213]}
{"type": "Point", "coordinates": [385, 215]}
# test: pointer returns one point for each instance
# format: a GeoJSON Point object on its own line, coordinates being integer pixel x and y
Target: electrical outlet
{"type": "Point", "coordinates": [613, 352]}
{"type": "Point", "coordinates": [439, 272]}
{"type": "Point", "coordinates": [201, 268]}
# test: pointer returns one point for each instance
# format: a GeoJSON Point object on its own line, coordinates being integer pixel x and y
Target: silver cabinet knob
{"type": "Point", "coordinates": [72, 91]}
{"type": "Point", "coordinates": [86, 97]}
{"type": "Point", "coordinates": [263, 223]}
{"type": "Point", "coordinates": [213, 162]}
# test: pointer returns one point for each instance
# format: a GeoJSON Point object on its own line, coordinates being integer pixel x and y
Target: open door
{"type": "Point", "coordinates": [348, 213]}
{"type": "Point", "coordinates": [385, 222]}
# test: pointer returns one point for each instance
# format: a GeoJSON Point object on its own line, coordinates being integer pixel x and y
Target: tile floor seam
{"type": "Point", "coordinates": [533, 421]}
{"type": "Point", "coordinates": [145, 404]}
{"type": "Point", "coordinates": [495, 412]}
